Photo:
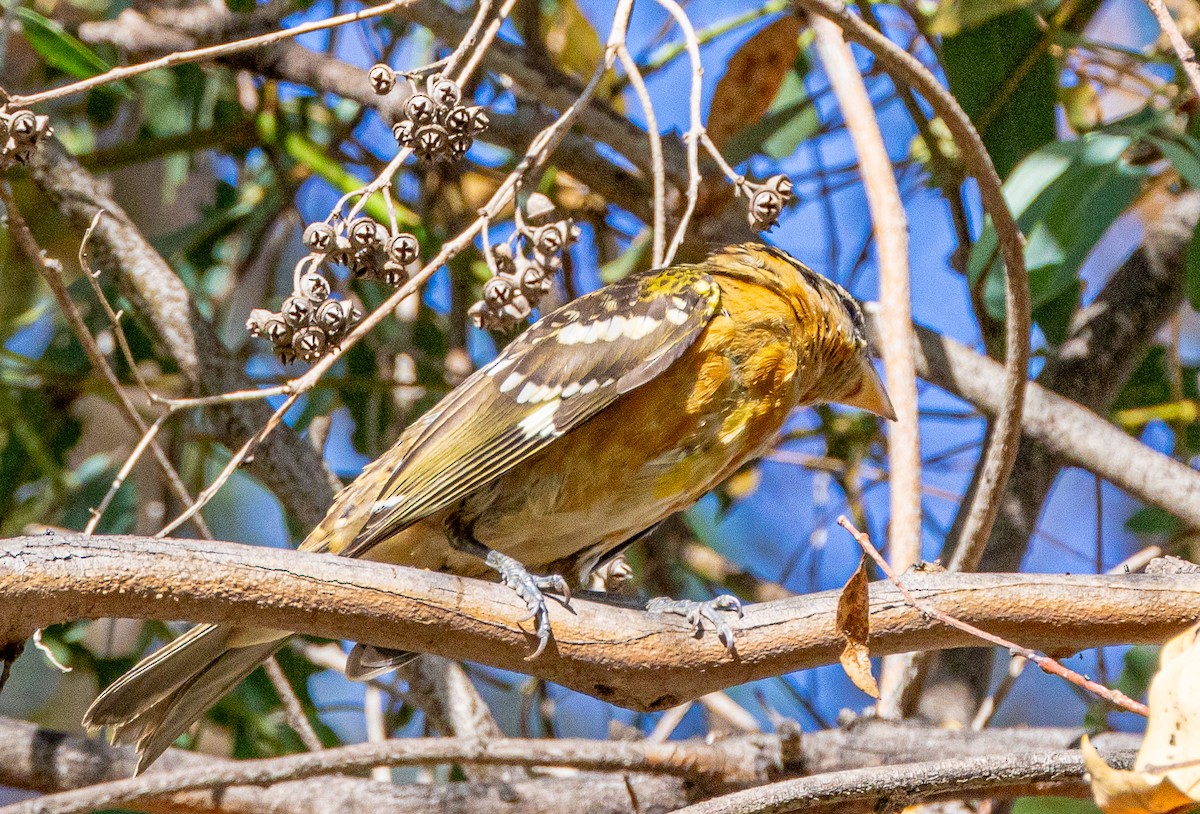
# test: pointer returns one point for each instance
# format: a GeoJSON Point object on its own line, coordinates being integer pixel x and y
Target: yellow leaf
{"type": "Point", "coordinates": [1173, 733]}
{"type": "Point", "coordinates": [853, 622]}
{"type": "Point", "coordinates": [1130, 792]}
{"type": "Point", "coordinates": [1166, 775]}
{"type": "Point", "coordinates": [753, 78]}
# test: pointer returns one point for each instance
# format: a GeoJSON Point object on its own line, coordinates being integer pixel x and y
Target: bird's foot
{"type": "Point", "coordinates": [529, 587]}
{"type": "Point", "coordinates": [695, 612]}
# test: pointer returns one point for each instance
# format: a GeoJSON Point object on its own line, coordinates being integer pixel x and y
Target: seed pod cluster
{"type": "Point", "coordinates": [20, 133]}
{"type": "Point", "coordinates": [435, 125]}
{"type": "Point", "coordinates": [521, 276]}
{"type": "Point", "coordinates": [309, 322]}
{"type": "Point", "coordinates": [367, 248]}
{"type": "Point", "coordinates": [767, 201]}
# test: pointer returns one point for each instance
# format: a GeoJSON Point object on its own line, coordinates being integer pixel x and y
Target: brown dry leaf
{"type": "Point", "coordinates": [1166, 775]}
{"type": "Point", "coordinates": [753, 78]}
{"type": "Point", "coordinates": [853, 622]}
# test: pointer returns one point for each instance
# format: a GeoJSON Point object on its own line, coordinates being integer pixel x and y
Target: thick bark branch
{"type": "Point", "coordinates": [629, 657]}
{"type": "Point", "coordinates": [1073, 433]}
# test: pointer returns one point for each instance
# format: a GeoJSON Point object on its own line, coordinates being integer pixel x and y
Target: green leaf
{"type": "Point", "coordinates": [1153, 520]}
{"type": "Point", "coordinates": [629, 260]}
{"type": "Point", "coordinates": [953, 16]}
{"type": "Point", "coordinates": [1184, 154]}
{"type": "Point", "coordinates": [61, 50]}
{"type": "Point", "coordinates": [980, 64]}
{"type": "Point", "coordinates": [1141, 663]}
{"type": "Point", "coordinates": [1065, 197]}
{"type": "Point", "coordinates": [1192, 269]}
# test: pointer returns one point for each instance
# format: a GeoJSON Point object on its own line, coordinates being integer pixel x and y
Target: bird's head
{"type": "Point", "coordinates": [829, 314]}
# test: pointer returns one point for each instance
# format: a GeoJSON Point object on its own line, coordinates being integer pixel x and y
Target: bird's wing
{"type": "Point", "coordinates": [567, 367]}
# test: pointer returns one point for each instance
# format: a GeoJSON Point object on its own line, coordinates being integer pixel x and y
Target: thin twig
{"type": "Point", "coordinates": [695, 130]}
{"type": "Point", "coordinates": [114, 317]}
{"type": "Point", "coordinates": [1047, 664]}
{"type": "Point", "coordinates": [201, 54]}
{"type": "Point", "coordinates": [659, 172]}
{"type": "Point", "coordinates": [1182, 50]}
{"type": "Point", "coordinates": [891, 239]}
{"type": "Point", "coordinates": [146, 440]}
{"type": "Point", "coordinates": [1000, 455]}
{"type": "Point", "coordinates": [52, 273]}
{"type": "Point", "coordinates": [292, 707]}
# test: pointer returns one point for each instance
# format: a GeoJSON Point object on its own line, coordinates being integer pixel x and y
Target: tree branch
{"type": "Point", "coordinates": [625, 656]}
{"type": "Point", "coordinates": [46, 761]}
{"type": "Point", "coordinates": [896, 787]}
{"type": "Point", "coordinates": [1063, 428]}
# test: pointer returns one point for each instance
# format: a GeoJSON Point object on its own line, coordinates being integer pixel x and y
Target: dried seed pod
{"type": "Point", "coordinates": [309, 343]}
{"type": "Point", "coordinates": [479, 119]}
{"type": "Point", "coordinates": [23, 126]}
{"type": "Point", "coordinates": [534, 281]}
{"type": "Point", "coordinates": [296, 311]}
{"type": "Point", "coordinates": [365, 262]}
{"type": "Point", "coordinates": [365, 233]}
{"type": "Point", "coordinates": [382, 79]}
{"type": "Point", "coordinates": [550, 239]}
{"type": "Point", "coordinates": [404, 248]}
{"type": "Point", "coordinates": [256, 324]}
{"type": "Point", "coordinates": [458, 144]}
{"type": "Point", "coordinates": [420, 108]}
{"type": "Point", "coordinates": [502, 260]}
{"type": "Point", "coordinates": [403, 132]}
{"type": "Point", "coordinates": [538, 207]}
{"type": "Point", "coordinates": [457, 120]}
{"type": "Point", "coordinates": [314, 287]}
{"type": "Point", "coordinates": [499, 291]}
{"type": "Point", "coordinates": [765, 207]}
{"type": "Point", "coordinates": [320, 238]}
{"type": "Point", "coordinates": [781, 184]}
{"type": "Point", "coordinates": [429, 142]}
{"type": "Point", "coordinates": [767, 203]}
{"type": "Point", "coordinates": [278, 331]}
{"type": "Point", "coordinates": [517, 310]}
{"type": "Point", "coordinates": [483, 317]}
{"type": "Point", "coordinates": [446, 93]}
{"type": "Point", "coordinates": [393, 274]}
{"type": "Point", "coordinates": [332, 317]}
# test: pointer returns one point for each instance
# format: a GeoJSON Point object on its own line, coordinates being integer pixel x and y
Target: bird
{"type": "Point", "coordinates": [603, 418]}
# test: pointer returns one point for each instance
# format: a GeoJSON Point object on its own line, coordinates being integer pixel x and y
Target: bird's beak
{"type": "Point", "coordinates": [871, 395]}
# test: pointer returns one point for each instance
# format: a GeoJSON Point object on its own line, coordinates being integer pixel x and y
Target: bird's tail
{"type": "Point", "coordinates": [172, 687]}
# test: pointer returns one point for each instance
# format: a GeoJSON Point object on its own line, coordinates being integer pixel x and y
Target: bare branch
{"type": "Point", "coordinates": [1062, 427]}
{"type": "Point", "coordinates": [201, 54]}
{"type": "Point", "coordinates": [1187, 57]}
{"type": "Point", "coordinates": [896, 787]}
{"type": "Point", "coordinates": [1001, 452]}
{"type": "Point", "coordinates": [629, 657]}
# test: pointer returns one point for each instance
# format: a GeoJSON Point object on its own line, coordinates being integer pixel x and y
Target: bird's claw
{"type": "Point", "coordinates": [695, 612]}
{"type": "Point", "coordinates": [529, 588]}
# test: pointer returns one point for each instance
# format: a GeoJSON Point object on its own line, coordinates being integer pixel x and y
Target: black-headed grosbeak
{"type": "Point", "coordinates": [605, 417]}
